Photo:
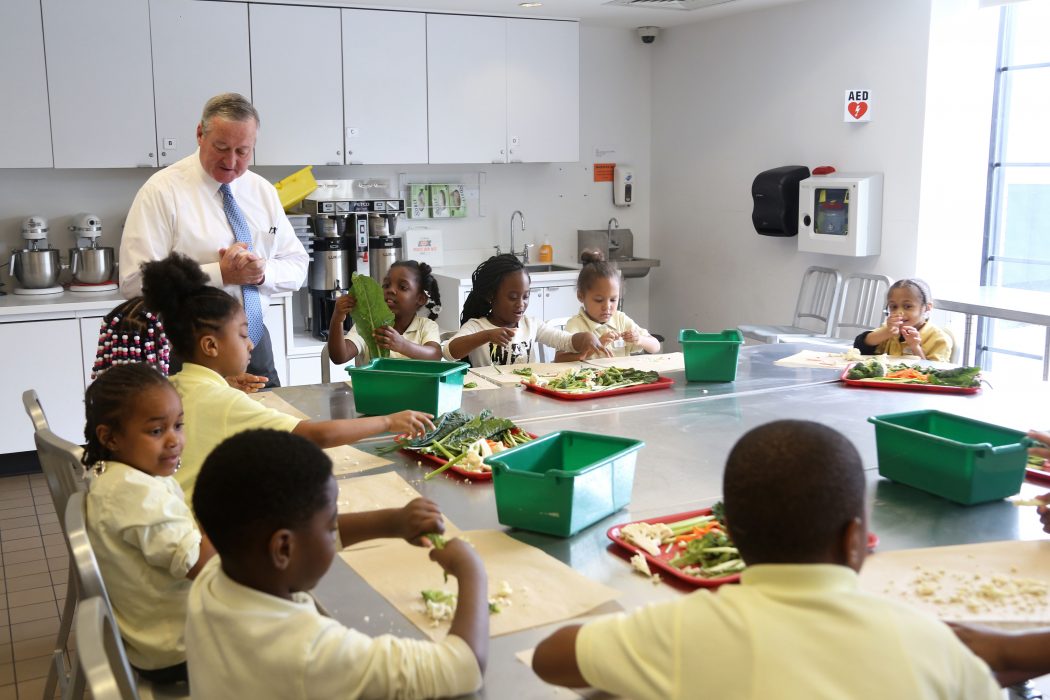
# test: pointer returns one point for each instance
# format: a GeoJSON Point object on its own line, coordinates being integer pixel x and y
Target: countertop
{"type": "Point", "coordinates": [688, 434]}
{"type": "Point", "coordinates": [19, 307]}
{"type": "Point", "coordinates": [463, 273]}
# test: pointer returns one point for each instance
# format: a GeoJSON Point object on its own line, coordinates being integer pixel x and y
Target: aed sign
{"type": "Point", "coordinates": [857, 106]}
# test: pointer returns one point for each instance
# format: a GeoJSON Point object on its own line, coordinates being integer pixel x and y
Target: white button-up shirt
{"type": "Point", "coordinates": [179, 209]}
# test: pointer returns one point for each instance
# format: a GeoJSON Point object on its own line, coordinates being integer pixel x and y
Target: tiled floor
{"type": "Point", "coordinates": [33, 577]}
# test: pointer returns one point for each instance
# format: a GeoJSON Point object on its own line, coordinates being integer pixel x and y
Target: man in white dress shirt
{"type": "Point", "coordinates": [186, 208]}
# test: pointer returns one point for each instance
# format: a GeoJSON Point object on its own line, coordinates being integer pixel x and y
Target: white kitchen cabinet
{"type": "Point", "coordinates": [25, 123]}
{"type": "Point", "coordinates": [543, 91]}
{"type": "Point", "coordinates": [297, 83]}
{"type": "Point", "coordinates": [503, 90]}
{"type": "Point", "coordinates": [558, 301]}
{"type": "Point", "coordinates": [100, 83]}
{"type": "Point", "coordinates": [47, 356]}
{"type": "Point", "coordinates": [274, 321]}
{"type": "Point", "coordinates": [467, 89]}
{"type": "Point", "coordinates": [200, 49]}
{"type": "Point", "coordinates": [385, 125]}
{"type": "Point", "coordinates": [90, 328]}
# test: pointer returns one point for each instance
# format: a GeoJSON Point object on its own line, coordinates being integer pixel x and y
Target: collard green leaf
{"type": "Point", "coordinates": [370, 312]}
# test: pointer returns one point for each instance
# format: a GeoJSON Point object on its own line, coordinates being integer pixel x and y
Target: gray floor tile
{"type": "Point", "coordinates": [19, 545]}
{"type": "Point", "coordinates": [31, 648]}
{"type": "Point", "coordinates": [24, 583]}
{"type": "Point", "coordinates": [36, 611]}
{"type": "Point", "coordinates": [35, 628]}
{"type": "Point", "coordinates": [43, 594]}
{"type": "Point", "coordinates": [37, 566]}
{"type": "Point", "coordinates": [18, 511]}
{"type": "Point", "coordinates": [24, 555]}
{"type": "Point", "coordinates": [20, 533]}
{"type": "Point", "coordinates": [7, 674]}
{"type": "Point", "coordinates": [8, 692]}
{"type": "Point", "coordinates": [22, 521]}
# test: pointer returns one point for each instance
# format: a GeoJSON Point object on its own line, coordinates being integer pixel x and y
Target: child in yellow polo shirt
{"type": "Point", "coordinates": [208, 331]}
{"type": "Point", "coordinates": [797, 626]}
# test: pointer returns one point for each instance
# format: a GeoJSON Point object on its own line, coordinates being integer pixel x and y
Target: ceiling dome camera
{"type": "Point", "coordinates": [648, 34]}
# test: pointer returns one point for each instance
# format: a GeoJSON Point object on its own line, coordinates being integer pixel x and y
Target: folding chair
{"type": "Point", "coordinates": [817, 301]}
{"type": "Point", "coordinates": [956, 356]}
{"type": "Point", "coordinates": [60, 462]}
{"type": "Point", "coordinates": [101, 653]}
{"type": "Point", "coordinates": [90, 585]}
{"type": "Point", "coordinates": [546, 354]}
{"type": "Point", "coordinates": [34, 409]}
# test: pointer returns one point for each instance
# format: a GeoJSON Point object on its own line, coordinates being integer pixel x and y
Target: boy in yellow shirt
{"type": "Point", "coordinates": [797, 626]}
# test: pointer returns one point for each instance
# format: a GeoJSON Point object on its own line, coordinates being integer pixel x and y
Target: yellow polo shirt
{"type": "Point", "coordinates": [787, 631]}
{"type": "Point", "coordinates": [935, 344]}
{"type": "Point", "coordinates": [213, 412]}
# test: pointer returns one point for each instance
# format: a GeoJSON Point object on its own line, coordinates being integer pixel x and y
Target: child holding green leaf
{"type": "Point", "coordinates": [386, 320]}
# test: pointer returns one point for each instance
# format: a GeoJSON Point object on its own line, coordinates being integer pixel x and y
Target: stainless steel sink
{"type": "Point", "coordinates": [635, 267]}
{"type": "Point", "coordinates": [547, 267]}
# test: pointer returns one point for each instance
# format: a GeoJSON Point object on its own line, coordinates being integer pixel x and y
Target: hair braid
{"type": "Point", "coordinates": [486, 280]}
{"type": "Point", "coordinates": [108, 400]}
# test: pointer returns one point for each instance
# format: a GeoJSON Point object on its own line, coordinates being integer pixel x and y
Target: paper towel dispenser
{"type": "Point", "coordinates": [775, 195]}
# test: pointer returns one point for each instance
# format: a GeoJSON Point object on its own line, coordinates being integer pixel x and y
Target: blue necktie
{"type": "Point", "coordinates": [252, 306]}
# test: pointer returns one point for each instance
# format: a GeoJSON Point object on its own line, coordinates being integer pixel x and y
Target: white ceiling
{"type": "Point", "coordinates": [594, 12]}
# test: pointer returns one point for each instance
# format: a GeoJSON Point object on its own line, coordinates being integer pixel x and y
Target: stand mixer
{"type": "Point", "coordinates": [90, 264]}
{"type": "Point", "coordinates": [36, 268]}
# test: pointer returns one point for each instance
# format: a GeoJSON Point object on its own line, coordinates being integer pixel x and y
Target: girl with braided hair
{"type": "Point", "coordinates": [495, 329]}
{"type": "Point", "coordinates": [143, 534]}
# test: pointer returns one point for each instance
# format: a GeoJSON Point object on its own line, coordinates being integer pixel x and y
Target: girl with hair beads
{"type": "Point", "coordinates": [907, 330]}
{"type": "Point", "coordinates": [408, 287]}
{"type": "Point", "coordinates": [496, 330]}
{"type": "Point", "coordinates": [130, 333]}
{"type": "Point", "coordinates": [207, 328]}
{"type": "Point", "coordinates": [598, 289]}
{"type": "Point", "coordinates": [142, 531]}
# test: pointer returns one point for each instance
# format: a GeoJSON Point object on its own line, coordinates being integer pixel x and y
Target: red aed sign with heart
{"type": "Point", "coordinates": [857, 109]}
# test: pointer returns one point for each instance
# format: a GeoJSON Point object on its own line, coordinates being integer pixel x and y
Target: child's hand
{"type": "Point", "coordinates": [456, 557]}
{"type": "Point", "coordinates": [1042, 450]}
{"type": "Point", "coordinates": [344, 306]}
{"type": "Point", "coordinates": [588, 345]}
{"type": "Point", "coordinates": [911, 339]}
{"type": "Point", "coordinates": [411, 423]}
{"type": "Point", "coordinates": [631, 335]}
{"type": "Point", "coordinates": [387, 337]}
{"type": "Point", "coordinates": [501, 336]}
{"type": "Point", "coordinates": [609, 337]}
{"type": "Point", "coordinates": [248, 383]}
{"type": "Point", "coordinates": [418, 518]}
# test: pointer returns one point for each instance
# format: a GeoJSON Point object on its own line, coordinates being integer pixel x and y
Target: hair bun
{"type": "Point", "coordinates": [592, 256]}
{"type": "Point", "coordinates": [424, 270]}
{"type": "Point", "coordinates": [166, 283]}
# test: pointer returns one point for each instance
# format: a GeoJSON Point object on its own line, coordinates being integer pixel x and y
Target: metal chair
{"type": "Point", "coordinates": [547, 354]}
{"type": "Point", "coordinates": [34, 409]}
{"type": "Point", "coordinates": [60, 462]}
{"type": "Point", "coordinates": [956, 354]}
{"type": "Point", "coordinates": [860, 307]}
{"type": "Point", "coordinates": [817, 301]}
{"type": "Point", "coordinates": [326, 365]}
{"type": "Point", "coordinates": [101, 652]}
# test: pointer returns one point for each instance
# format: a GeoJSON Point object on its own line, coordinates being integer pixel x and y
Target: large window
{"type": "Point", "coordinates": [1017, 232]}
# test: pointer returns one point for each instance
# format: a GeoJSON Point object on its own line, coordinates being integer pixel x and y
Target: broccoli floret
{"type": "Point", "coordinates": [866, 370]}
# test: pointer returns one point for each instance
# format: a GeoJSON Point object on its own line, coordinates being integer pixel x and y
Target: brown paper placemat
{"type": "Point", "coordinates": [544, 589]}
{"type": "Point", "coordinates": [504, 376]}
{"type": "Point", "coordinates": [374, 492]}
{"type": "Point", "coordinates": [345, 458]}
{"type": "Point", "coordinates": [980, 583]}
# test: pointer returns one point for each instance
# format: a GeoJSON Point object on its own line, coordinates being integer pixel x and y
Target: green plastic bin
{"type": "Point", "coordinates": [561, 483]}
{"type": "Point", "coordinates": [388, 385]}
{"type": "Point", "coordinates": [710, 357]}
{"type": "Point", "coordinates": [957, 458]}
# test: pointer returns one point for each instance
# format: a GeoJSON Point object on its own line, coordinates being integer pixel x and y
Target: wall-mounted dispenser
{"type": "Point", "coordinates": [775, 196]}
{"type": "Point", "coordinates": [840, 214]}
{"type": "Point", "coordinates": [623, 185]}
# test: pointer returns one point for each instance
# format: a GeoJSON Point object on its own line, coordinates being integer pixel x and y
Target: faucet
{"type": "Point", "coordinates": [613, 223]}
{"type": "Point", "coordinates": [524, 252]}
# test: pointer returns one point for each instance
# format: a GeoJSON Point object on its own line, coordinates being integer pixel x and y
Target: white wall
{"type": "Point", "coordinates": [556, 198]}
{"type": "Point", "coordinates": [753, 91]}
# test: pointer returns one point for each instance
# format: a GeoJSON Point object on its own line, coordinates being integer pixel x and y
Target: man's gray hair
{"type": "Point", "coordinates": [230, 106]}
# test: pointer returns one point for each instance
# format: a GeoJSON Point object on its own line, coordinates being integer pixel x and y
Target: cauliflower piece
{"type": "Point", "coordinates": [648, 536]}
{"type": "Point", "coordinates": [641, 565]}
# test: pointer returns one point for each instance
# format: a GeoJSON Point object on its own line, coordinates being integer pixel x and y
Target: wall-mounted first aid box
{"type": "Point", "coordinates": [840, 214]}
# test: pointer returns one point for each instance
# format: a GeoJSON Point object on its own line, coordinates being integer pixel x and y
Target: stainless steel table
{"type": "Point", "coordinates": [756, 373]}
{"type": "Point", "coordinates": [680, 469]}
{"type": "Point", "coordinates": [1009, 304]}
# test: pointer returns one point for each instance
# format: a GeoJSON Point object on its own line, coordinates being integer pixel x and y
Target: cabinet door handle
{"type": "Point", "coordinates": [333, 162]}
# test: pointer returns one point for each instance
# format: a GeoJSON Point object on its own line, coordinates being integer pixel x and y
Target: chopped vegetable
{"type": "Point", "coordinates": [592, 379]}
{"type": "Point", "coordinates": [866, 370]}
{"type": "Point", "coordinates": [648, 536]}
{"type": "Point", "coordinates": [470, 385]}
{"type": "Point", "coordinates": [437, 540]}
{"type": "Point", "coordinates": [523, 371]}
{"type": "Point", "coordinates": [903, 373]}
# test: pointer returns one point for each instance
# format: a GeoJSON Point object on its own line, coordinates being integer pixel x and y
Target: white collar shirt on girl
{"type": "Point", "coordinates": [146, 541]}
{"type": "Point", "coordinates": [420, 331]}
{"type": "Point", "coordinates": [620, 322]}
{"type": "Point", "coordinates": [521, 350]}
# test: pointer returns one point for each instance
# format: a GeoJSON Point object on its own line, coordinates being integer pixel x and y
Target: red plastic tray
{"type": "Point", "coordinates": [441, 461]}
{"type": "Point", "coordinates": [662, 562]}
{"type": "Point", "coordinates": [1040, 476]}
{"type": "Point", "coordinates": [661, 383]}
{"type": "Point", "coordinates": [935, 388]}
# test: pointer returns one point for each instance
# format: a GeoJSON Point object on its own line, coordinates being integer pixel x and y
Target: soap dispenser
{"type": "Point", "coordinates": [546, 251]}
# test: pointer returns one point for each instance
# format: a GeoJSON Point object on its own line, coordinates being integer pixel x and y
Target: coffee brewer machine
{"type": "Point", "coordinates": [365, 219]}
{"type": "Point", "coordinates": [384, 248]}
{"type": "Point", "coordinates": [331, 267]}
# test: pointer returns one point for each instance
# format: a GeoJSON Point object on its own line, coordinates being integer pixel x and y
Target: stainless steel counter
{"type": "Point", "coordinates": [688, 435]}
